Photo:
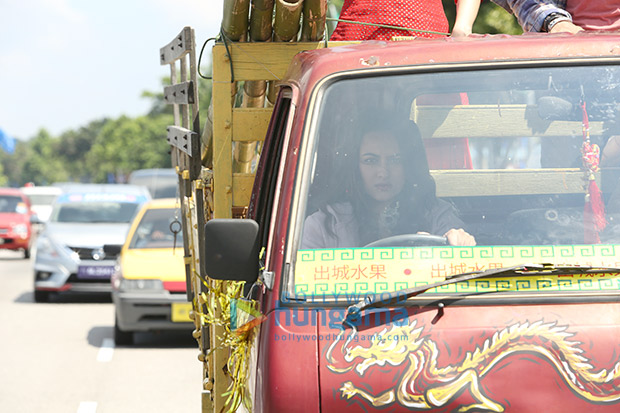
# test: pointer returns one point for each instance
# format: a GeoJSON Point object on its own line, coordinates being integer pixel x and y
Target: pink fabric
{"type": "Point", "coordinates": [447, 153]}
{"type": "Point", "coordinates": [415, 14]}
{"type": "Point", "coordinates": [595, 14]}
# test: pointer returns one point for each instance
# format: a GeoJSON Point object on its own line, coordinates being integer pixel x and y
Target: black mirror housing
{"type": "Point", "coordinates": [231, 249]}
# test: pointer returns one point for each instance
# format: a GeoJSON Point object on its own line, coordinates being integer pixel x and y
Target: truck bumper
{"type": "Point", "coordinates": [151, 311]}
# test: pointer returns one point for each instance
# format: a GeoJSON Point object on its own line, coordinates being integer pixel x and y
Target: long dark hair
{"type": "Point", "coordinates": [418, 196]}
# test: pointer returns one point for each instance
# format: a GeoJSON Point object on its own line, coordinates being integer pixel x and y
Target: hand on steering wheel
{"type": "Point", "coordinates": [460, 237]}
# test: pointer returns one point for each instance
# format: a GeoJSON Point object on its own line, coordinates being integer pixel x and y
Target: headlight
{"type": "Point", "coordinates": [140, 285]}
{"type": "Point", "coordinates": [117, 276]}
{"type": "Point", "coordinates": [21, 230]}
{"type": "Point", "coordinates": [45, 246]}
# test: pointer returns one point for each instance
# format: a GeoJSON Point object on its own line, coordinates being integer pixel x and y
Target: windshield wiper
{"type": "Point", "coordinates": [377, 300]}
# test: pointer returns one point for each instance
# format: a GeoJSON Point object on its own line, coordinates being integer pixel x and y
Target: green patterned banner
{"type": "Point", "coordinates": [362, 271]}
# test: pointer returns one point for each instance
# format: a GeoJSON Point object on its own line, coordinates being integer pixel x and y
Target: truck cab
{"type": "Point", "coordinates": [508, 139]}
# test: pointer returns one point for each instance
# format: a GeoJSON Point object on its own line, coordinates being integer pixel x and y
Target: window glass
{"type": "Point", "coordinates": [95, 212]}
{"type": "Point", "coordinates": [155, 230]}
{"type": "Point", "coordinates": [10, 203]}
{"type": "Point", "coordinates": [495, 155]}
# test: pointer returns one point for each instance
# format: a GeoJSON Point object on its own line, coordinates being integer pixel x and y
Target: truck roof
{"type": "Point", "coordinates": [476, 48]}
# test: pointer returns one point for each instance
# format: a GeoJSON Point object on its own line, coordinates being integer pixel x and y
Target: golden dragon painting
{"type": "Point", "coordinates": [425, 385]}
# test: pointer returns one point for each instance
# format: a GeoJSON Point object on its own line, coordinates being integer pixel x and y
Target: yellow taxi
{"type": "Point", "coordinates": [148, 284]}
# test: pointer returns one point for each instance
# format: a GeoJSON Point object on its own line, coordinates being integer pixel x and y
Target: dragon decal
{"type": "Point", "coordinates": [425, 385]}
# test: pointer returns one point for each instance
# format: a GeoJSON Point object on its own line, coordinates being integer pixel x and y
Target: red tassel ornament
{"type": "Point", "coordinates": [594, 220]}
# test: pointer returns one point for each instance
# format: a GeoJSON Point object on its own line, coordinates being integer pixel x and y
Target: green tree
{"type": "Point", "coordinates": [13, 164]}
{"type": "Point", "coordinates": [5, 160]}
{"type": "Point", "coordinates": [41, 164]}
{"type": "Point", "coordinates": [127, 144]}
{"type": "Point", "coordinates": [491, 19]}
{"type": "Point", "coordinates": [75, 145]}
{"type": "Point", "coordinates": [4, 180]}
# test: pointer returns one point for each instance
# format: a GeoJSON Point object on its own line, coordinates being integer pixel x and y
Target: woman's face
{"type": "Point", "coordinates": [381, 167]}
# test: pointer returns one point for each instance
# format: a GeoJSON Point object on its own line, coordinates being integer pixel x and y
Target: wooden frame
{"type": "Point", "coordinates": [500, 121]}
{"type": "Point", "coordinates": [494, 182]}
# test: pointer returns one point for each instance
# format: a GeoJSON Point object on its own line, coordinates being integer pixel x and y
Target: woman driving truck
{"type": "Point", "coordinates": [386, 191]}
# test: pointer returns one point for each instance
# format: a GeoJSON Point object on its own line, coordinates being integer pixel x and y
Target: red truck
{"type": "Point", "coordinates": [431, 226]}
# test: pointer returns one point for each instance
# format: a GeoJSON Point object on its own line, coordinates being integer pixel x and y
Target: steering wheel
{"type": "Point", "coordinates": [409, 240]}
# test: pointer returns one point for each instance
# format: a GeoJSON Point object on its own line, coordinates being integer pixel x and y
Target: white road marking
{"type": "Point", "coordinates": [106, 351]}
{"type": "Point", "coordinates": [87, 407]}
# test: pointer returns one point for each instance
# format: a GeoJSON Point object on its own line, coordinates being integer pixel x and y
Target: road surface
{"type": "Point", "coordinates": [60, 356]}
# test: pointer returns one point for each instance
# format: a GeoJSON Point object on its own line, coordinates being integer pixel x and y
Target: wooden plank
{"type": "Point", "coordinates": [198, 190]}
{"type": "Point", "coordinates": [181, 93]}
{"type": "Point", "coordinates": [222, 150]}
{"type": "Point", "coordinates": [250, 124]}
{"type": "Point", "coordinates": [251, 61]}
{"type": "Point", "coordinates": [459, 183]}
{"type": "Point", "coordinates": [173, 80]}
{"type": "Point", "coordinates": [493, 121]}
{"type": "Point", "coordinates": [242, 188]}
{"type": "Point", "coordinates": [194, 104]}
{"type": "Point", "coordinates": [260, 61]}
{"type": "Point", "coordinates": [177, 48]}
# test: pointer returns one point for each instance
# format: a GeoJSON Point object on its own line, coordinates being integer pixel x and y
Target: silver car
{"type": "Point", "coordinates": [69, 251]}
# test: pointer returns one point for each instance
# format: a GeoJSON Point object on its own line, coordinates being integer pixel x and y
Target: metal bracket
{"type": "Point", "coordinates": [181, 93]}
{"type": "Point", "coordinates": [180, 138]}
{"type": "Point", "coordinates": [268, 278]}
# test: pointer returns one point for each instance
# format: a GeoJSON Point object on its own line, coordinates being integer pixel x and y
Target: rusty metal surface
{"type": "Point", "coordinates": [467, 51]}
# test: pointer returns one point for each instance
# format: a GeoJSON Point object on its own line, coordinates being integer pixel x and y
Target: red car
{"type": "Point", "coordinates": [15, 221]}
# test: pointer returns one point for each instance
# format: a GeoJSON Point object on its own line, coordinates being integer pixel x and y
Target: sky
{"type": "Point", "coordinates": [65, 63]}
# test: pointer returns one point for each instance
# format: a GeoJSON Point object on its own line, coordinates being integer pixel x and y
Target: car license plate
{"type": "Point", "coordinates": [180, 312]}
{"type": "Point", "coordinates": [95, 271]}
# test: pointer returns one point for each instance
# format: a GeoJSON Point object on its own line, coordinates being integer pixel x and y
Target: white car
{"type": "Point", "coordinates": [162, 182]}
{"type": "Point", "coordinates": [69, 251]}
{"type": "Point", "coordinates": [41, 199]}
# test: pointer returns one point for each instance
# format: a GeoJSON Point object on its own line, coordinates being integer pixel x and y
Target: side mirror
{"type": "Point", "coordinates": [231, 249]}
{"type": "Point", "coordinates": [34, 219]}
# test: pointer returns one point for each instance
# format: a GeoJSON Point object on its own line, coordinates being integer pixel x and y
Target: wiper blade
{"type": "Point", "coordinates": [376, 300]}
{"type": "Point", "coordinates": [546, 269]}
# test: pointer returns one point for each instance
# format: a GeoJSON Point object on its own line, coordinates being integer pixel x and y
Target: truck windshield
{"type": "Point", "coordinates": [416, 177]}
